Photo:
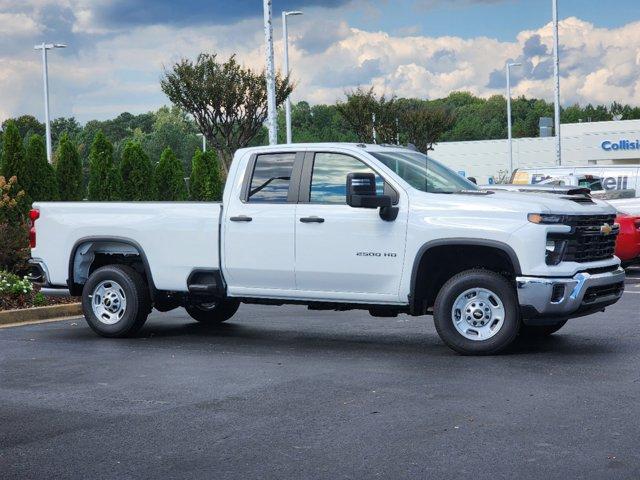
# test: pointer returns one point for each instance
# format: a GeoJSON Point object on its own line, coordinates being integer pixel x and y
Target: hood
{"type": "Point", "coordinates": [506, 202]}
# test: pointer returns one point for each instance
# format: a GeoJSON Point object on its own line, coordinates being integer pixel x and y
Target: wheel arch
{"type": "Point", "coordinates": [79, 270]}
{"type": "Point", "coordinates": [457, 247]}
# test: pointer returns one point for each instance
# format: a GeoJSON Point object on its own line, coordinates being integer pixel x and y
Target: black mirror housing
{"type": "Point", "coordinates": [361, 192]}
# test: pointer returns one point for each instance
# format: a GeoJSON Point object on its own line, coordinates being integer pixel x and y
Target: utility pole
{"type": "Point", "coordinates": [45, 77]}
{"type": "Point", "coordinates": [272, 114]}
{"type": "Point", "coordinates": [556, 73]}
{"type": "Point", "coordinates": [204, 142]}
{"type": "Point", "coordinates": [375, 135]}
{"type": "Point", "coordinates": [285, 38]}
{"type": "Point", "coordinates": [509, 120]}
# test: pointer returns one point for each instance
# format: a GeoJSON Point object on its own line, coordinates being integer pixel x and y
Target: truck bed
{"type": "Point", "coordinates": [176, 237]}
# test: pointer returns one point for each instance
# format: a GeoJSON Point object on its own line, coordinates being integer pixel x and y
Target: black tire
{"type": "Point", "coordinates": [455, 287]}
{"type": "Point", "coordinates": [136, 293]}
{"type": "Point", "coordinates": [535, 331]}
{"type": "Point", "coordinates": [213, 313]}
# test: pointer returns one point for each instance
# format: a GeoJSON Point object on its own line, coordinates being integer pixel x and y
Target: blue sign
{"type": "Point", "coordinates": [609, 146]}
{"type": "Point", "coordinates": [462, 173]}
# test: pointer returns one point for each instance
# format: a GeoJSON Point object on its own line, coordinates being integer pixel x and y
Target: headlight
{"type": "Point", "coordinates": [546, 218]}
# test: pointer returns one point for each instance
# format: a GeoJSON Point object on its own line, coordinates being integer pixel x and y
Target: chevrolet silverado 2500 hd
{"type": "Point", "coordinates": [340, 226]}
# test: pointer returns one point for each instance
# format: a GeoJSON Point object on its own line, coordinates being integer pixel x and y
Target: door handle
{"type": "Point", "coordinates": [312, 220]}
{"type": "Point", "coordinates": [241, 218]}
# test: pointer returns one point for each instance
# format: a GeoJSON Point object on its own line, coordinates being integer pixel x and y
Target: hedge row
{"type": "Point", "coordinates": [133, 177]}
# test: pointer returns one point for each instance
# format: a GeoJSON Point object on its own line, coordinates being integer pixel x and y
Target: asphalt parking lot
{"type": "Point", "coordinates": [281, 392]}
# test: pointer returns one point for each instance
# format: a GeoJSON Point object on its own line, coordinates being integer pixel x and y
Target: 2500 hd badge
{"type": "Point", "coordinates": [376, 254]}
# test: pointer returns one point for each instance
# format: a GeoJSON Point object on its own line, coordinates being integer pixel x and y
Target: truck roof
{"type": "Point", "coordinates": [368, 147]}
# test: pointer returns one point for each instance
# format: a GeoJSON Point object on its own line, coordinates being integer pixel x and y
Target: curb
{"type": "Point", "coordinates": [40, 313]}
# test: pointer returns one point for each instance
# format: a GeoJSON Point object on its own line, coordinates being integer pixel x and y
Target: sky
{"type": "Point", "coordinates": [416, 48]}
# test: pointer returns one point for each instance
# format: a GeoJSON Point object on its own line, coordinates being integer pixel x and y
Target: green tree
{"type": "Point", "coordinates": [61, 126]}
{"type": "Point", "coordinates": [205, 183]}
{"type": "Point", "coordinates": [105, 182]}
{"type": "Point", "coordinates": [68, 171]}
{"type": "Point", "coordinates": [14, 232]}
{"type": "Point", "coordinates": [227, 101]}
{"type": "Point", "coordinates": [27, 125]}
{"type": "Point", "coordinates": [359, 110]}
{"type": "Point", "coordinates": [13, 164]}
{"type": "Point", "coordinates": [39, 182]}
{"type": "Point", "coordinates": [424, 126]}
{"type": "Point", "coordinates": [169, 178]}
{"type": "Point", "coordinates": [136, 171]}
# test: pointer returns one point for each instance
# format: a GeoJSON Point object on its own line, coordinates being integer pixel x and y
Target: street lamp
{"type": "Point", "coordinates": [272, 114]}
{"type": "Point", "coordinates": [285, 38]}
{"type": "Point", "coordinates": [556, 73]}
{"type": "Point", "coordinates": [204, 142]}
{"type": "Point", "coordinates": [509, 65]}
{"type": "Point", "coordinates": [45, 75]}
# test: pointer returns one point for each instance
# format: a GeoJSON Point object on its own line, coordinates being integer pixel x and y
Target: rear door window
{"type": "Point", "coordinates": [271, 178]}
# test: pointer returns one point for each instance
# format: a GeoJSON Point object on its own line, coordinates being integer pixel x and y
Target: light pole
{"type": "Point", "coordinates": [285, 38]}
{"type": "Point", "coordinates": [509, 121]}
{"type": "Point", "coordinates": [204, 142]}
{"type": "Point", "coordinates": [272, 118]}
{"type": "Point", "coordinates": [556, 74]}
{"type": "Point", "coordinates": [45, 76]}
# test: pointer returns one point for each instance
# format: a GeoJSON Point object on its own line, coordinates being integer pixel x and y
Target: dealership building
{"type": "Point", "coordinates": [583, 144]}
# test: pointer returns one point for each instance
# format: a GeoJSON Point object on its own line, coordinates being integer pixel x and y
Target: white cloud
{"type": "Point", "coordinates": [18, 24]}
{"type": "Point", "coordinates": [121, 70]}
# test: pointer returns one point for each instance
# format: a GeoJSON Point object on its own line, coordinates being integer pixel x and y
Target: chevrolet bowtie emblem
{"type": "Point", "coordinates": [606, 229]}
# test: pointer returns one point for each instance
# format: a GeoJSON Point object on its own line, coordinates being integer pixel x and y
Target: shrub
{"type": "Point", "coordinates": [11, 284]}
{"type": "Point", "coordinates": [13, 164]}
{"type": "Point", "coordinates": [105, 181]}
{"type": "Point", "coordinates": [68, 171]}
{"type": "Point", "coordinates": [205, 183]}
{"type": "Point", "coordinates": [14, 232]}
{"type": "Point", "coordinates": [136, 171]}
{"type": "Point", "coordinates": [169, 178]}
{"type": "Point", "coordinates": [40, 183]}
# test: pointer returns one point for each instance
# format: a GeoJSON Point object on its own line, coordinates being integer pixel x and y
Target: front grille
{"type": "Point", "coordinates": [587, 242]}
{"type": "Point", "coordinates": [594, 294]}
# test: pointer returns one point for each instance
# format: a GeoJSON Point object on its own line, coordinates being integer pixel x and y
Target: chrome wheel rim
{"type": "Point", "coordinates": [108, 302]}
{"type": "Point", "coordinates": [478, 314]}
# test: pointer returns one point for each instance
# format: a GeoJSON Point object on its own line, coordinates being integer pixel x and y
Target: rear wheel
{"type": "Point", "coordinates": [540, 331]}
{"type": "Point", "coordinates": [213, 313]}
{"type": "Point", "coordinates": [476, 313]}
{"type": "Point", "coordinates": [115, 301]}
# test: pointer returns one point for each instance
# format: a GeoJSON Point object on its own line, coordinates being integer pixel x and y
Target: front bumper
{"type": "Point", "coordinates": [560, 298]}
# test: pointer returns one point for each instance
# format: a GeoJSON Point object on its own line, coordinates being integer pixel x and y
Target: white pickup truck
{"type": "Point", "coordinates": [340, 226]}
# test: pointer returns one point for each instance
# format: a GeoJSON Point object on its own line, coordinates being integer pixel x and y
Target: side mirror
{"type": "Point", "coordinates": [361, 193]}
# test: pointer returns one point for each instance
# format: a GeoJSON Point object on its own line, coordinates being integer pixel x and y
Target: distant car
{"type": "Point", "coordinates": [628, 242]}
{"type": "Point", "coordinates": [614, 178]}
{"type": "Point", "coordinates": [594, 183]}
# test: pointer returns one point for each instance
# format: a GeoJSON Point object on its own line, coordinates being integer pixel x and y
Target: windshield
{"type": "Point", "coordinates": [424, 173]}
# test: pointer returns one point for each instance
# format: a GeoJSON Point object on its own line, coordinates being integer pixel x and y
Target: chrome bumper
{"type": "Point", "coordinates": [569, 297]}
{"type": "Point", "coordinates": [38, 273]}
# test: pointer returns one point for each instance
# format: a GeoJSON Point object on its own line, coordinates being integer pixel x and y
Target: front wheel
{"type": "Point", "coordinates": [213, 313]}
{"type": "Point", "coordinates": [476, 313]}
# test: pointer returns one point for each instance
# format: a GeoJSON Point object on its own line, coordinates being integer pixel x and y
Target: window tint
{"type": "Point", "coordinates": [329, 177]}
{"type": "Point", "coordinates": [271, 178]}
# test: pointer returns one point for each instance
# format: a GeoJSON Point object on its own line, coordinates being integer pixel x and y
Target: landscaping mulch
{"type": "Point", "coordinates": [32, 299]}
